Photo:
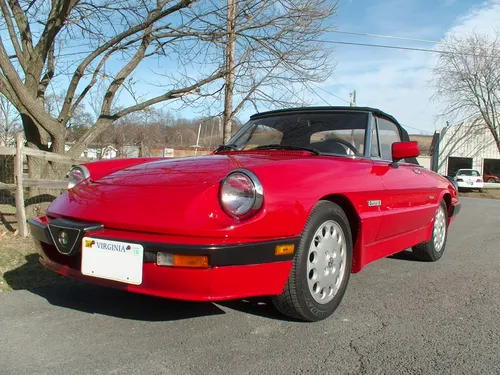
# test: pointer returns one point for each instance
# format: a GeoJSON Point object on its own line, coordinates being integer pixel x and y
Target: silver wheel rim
{"type": "Point", "coordinates": [439, 231]}
{"type": "Point", "coordinates": [326, 262]}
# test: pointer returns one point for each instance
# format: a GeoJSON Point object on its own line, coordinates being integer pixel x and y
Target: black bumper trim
{"type": "Point", "coordinates": [219, 255]}
{"type": "Point", "coordinates": [455, 209]}
{"type": "Point", "coordinates": [40, 232]}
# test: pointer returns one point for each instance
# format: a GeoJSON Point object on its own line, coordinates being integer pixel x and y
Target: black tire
{"type": "Point", "coordinates": [296, 301]}
{"type": "Point", "coordinates": [427, 251]}
{"type": "Point", "coordinates": [491, 180]}
{"type": "Point", "coordinates": [481, 190]}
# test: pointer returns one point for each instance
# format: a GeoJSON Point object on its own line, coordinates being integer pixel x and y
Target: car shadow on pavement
{"type": "Point", "coordinates": [258, 306]}
{"type": "Point", "coordinates": [406, 255]}
{"type": "Point", "coordinates": [95, 299]}
{"type": "Point", "coordinates": [71, 294]}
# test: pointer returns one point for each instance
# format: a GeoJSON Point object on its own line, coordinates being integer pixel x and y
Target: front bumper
{"type": "Point", "coordinates": [237, 270]}
{"type": "Point", "coordinates": [455, 209]}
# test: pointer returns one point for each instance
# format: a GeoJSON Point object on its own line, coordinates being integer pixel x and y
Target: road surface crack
{"type": "Point", "coordinates": [361, 358]}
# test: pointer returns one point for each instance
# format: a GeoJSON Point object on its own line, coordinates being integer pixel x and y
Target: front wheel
{"type": "Point", "coordinates": [432, 250]}
{"type": "Point", "coordinates": [321, 266]}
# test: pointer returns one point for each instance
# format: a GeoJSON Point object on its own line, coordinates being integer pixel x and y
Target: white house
{"type": "Point", "coordinates": [468, 144]}
{"type": "Point", "coordinates": [96, 153]}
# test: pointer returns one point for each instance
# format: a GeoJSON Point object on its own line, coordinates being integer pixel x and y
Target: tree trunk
{"type": "Point", "coordinates": [38, 199]}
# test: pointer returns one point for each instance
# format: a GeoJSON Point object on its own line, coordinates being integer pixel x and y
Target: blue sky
{"type": "Point", "coordinates": [393, 80]}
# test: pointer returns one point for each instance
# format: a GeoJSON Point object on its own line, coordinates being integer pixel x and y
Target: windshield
{"type": "Point", "coordinates": [468, 172]}
{"type": "Point", "coordinates": [329, 133]}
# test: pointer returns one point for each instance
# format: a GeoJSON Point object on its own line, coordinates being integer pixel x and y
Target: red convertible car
{"type": "Point", "coordinates": [297, 201]}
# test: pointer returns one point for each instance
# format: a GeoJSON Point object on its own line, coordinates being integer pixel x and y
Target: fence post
{"type": "Point", "coordinates": [18, 176]}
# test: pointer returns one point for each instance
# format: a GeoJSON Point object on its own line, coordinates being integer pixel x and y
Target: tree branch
{"type": "Point", "coordinates": [44, 82]}
{"type": "Point", "coordinates": [12, 34]}
{"type": "Point", "coordinates": [153, 17]}
{"type": "Point", "coordinates": [55, 21]}
{"type": "Point", "coordinates": [22, 25]}
{"type": "Point", "coordinates": [22, 96]}
{"type": "Point", "coordinates": [172, 94]}
{"type": "Point", "coordinates": [124, 73]}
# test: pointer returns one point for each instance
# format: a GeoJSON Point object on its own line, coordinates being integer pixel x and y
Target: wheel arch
{"type": "Point", "coordinates": [354, 222]}
{"type": "Point", "coordinates": [447, 199]}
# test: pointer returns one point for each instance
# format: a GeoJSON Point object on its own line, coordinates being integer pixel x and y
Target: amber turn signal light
{"type": "Point", "coordinates": [182, 260]}
{"type": "Point", "coordinates": [284, 249]}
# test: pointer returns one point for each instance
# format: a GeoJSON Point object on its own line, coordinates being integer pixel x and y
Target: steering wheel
{"type": "Point", "coordinates": [345, 143]}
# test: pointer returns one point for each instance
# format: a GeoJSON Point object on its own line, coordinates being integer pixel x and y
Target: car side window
{"type": "Point", "coordinates": [374, 151]}
{"type": "Point", "coordinates": [388, 133]}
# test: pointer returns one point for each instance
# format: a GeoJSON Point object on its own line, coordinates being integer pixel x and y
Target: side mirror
{"type": "Point", "coordinates": [403, 150]}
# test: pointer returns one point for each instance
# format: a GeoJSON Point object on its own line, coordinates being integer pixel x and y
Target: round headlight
{"type": "Point", "coordinates": [241, 194]}
{"type": "Point", "coordinates": [77, 174]}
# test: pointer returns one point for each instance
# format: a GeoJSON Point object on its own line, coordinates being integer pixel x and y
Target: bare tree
{"type": "Point", "coordinates": [273, 51]}
{"type": "Point", "coordinates": [112, 39]}
{"type": "Point", "coordinates": [467, 80]}
{"type": "Point", "coordinates": [9, 122]}
{"type": "Point", "coordinates": [93, 50]}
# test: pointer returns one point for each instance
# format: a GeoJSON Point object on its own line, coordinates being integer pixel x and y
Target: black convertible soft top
{"type": "Point", "coordinates": [404, 134]}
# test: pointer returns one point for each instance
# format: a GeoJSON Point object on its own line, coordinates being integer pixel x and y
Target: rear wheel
{"type": "Point", "coordinates": [491, 180]}
{"type": "Point", "coordinates": [432, 250]}
{"type": "Point", "coordinates": [321, 266]}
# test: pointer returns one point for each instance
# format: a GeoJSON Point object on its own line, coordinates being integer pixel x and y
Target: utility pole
{"type": "Point", "coordinates": [353, 96]}
{"type": "Point", "coordinates": [197, 140]}
{"type": "Point", "coordinates": [229, 66]}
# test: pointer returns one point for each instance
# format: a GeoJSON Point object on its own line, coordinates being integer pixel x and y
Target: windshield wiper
{"type": "Point", "coordinates": [285, 147]}
{"type": "Point", "coordinates": [229, 146]}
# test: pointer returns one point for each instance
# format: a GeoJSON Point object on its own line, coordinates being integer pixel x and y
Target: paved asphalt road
{"type": "Point", "coordinates": [399, 316]}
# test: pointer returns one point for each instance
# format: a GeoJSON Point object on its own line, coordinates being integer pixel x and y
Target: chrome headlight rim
{"type": "Point", "coordinates": [72, 182]}
{"type": "Point", "coordinates": [258, 192]}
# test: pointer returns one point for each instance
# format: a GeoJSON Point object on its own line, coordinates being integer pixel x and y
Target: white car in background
{"type": "Point", "coordinates": [469, 179]}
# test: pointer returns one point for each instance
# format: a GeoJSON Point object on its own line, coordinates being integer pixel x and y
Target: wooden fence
{"type": "Point", "coordinates": [20, 182]}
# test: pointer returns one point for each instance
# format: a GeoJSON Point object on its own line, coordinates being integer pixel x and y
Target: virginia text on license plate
{"type": "Point", "coordinates": [112, 260]}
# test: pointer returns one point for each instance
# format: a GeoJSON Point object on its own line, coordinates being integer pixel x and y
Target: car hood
{"type": "Point", "coordinates": [175, 196]}
{"type": "Point", "coordinates": [175, 172]}
{"type": "Point", "coordinates": [201, 170]}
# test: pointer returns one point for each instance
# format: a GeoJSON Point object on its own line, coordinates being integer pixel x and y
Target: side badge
{"type": "Point", "coordinates": [374, 203]}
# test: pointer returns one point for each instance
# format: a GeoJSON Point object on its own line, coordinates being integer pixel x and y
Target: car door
{"type": "Point", "coordinates": [406, 203]}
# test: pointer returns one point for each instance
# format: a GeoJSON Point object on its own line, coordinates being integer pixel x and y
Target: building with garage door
{"type": "Point", "coordinates": [468, 144]}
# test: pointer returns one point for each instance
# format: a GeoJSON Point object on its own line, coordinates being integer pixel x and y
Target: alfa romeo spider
{"type": "Point", "coordinates": [294, 203]}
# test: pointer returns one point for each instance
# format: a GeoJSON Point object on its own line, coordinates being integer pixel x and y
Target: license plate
{"type": "Point", "coordinates": [112, 260]}
{"type": "Point", "coordinates": [471, 182]}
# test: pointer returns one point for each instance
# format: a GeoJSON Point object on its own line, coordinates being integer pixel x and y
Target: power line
{"type": "Point", "coordinates": [315, 93]}
{"type": "Point", "coordinates": [389, 37]}
{"type": "Point", "coordinates": [340, 83]}
{"type": "Point", "coordinates": [383, 46]}
{"type": "Point", "coordinates": [420, 130]}
{"type": "Point", "coordinates": [400, 48]}
{"type": "Point", "coordinates": [328, 92]}
{"type": "Point", "coordinates": [336, 42]}
{"type": "Point", "coordinates": [59, 55]}
{"type": "Point", "coordinates": [399, 38]}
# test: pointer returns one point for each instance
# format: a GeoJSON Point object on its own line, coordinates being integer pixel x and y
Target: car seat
{"type": "Point", "coordinates": [330, 146]}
